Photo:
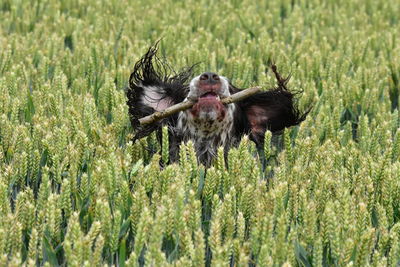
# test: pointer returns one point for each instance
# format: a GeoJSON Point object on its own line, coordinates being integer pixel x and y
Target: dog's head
{"type": "Point", "coordinates": [207, 90]}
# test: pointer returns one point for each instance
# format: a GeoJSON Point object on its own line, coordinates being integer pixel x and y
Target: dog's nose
{"type": "Point", "coordinates": [210, 77]}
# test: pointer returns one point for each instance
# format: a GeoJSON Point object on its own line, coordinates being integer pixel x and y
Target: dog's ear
{"type": "Point", "coordinates": [271, 110]}
{"type": "Point", "coordinates": [154, 86]}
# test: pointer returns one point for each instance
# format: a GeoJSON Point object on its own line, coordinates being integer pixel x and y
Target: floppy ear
{"type": "Point", "coordinates": [271, 110]}
{"type": "Point", "coordinates": [154, 86]}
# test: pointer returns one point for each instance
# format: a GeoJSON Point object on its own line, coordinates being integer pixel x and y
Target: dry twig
{"type": "Point", "coordinates": [281, 81]}
{"type": "Point", "coordinates": [156, 116]}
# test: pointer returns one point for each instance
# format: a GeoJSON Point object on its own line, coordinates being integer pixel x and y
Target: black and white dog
{"type": "Point", "coordinates": [154, 86]}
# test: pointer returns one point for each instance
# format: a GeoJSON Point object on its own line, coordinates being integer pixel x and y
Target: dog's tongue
{"type": "Point", "coordinates": [209, 103]}
{"type": "Point", "coordinates": [209, 95]}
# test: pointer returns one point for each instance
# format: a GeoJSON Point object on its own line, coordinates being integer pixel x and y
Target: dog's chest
{"type": "Point", "coordinates": [206, 134]}
{"type": "Point", "coordinates": [206, 127]}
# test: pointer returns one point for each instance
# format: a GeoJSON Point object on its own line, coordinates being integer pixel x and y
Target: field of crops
{"type": "Point", "coordinates": [74, 190]}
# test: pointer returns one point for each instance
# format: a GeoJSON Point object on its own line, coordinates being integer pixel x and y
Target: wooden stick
{"type": "Point", "coordinates": [156, 116]}
{"type": "Point", "coordinates": [281, 81]}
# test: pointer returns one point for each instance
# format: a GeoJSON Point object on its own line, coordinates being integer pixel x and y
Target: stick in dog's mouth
{"type": "Point", "coordinates": [159, 115]}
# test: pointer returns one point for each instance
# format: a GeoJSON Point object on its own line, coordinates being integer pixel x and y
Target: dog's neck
{"type": "Point", "coordinates": [207, 135]}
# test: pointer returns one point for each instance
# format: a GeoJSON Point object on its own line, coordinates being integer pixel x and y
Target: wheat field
{"type": "Point", "coordinates": [75, 191]}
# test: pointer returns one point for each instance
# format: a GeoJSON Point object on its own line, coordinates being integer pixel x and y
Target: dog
{"type": "Point", "coordinates": [155, 86]}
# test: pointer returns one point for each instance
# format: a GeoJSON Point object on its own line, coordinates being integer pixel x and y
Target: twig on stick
{"type": "Point", "coordinates": [156, 116]}
{"type": "Point", "coordinates": [281, 81]}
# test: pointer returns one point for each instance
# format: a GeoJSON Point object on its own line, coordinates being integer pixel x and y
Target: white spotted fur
{"type": "Point", "coordinates": [207, 138]}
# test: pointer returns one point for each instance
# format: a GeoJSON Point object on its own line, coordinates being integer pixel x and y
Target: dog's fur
{"type": "Point", "coordinates": [154, 86]}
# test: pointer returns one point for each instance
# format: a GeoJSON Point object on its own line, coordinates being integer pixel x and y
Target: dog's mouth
{"type": "Point", "coordinates": [210, 96]}
{"type": "Point", "coordinates": [208, 93]}
{"type": "Point", "coordinates": [209, 107]}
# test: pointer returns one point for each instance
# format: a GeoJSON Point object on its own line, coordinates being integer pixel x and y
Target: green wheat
{"type": "Point", "coordinates": [74, 189]}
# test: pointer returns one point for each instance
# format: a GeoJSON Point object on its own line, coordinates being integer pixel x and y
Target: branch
{"type": "Point", "coordinates": [281, 81]}
{"type": "Point", "coordinates": [156, 116]}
